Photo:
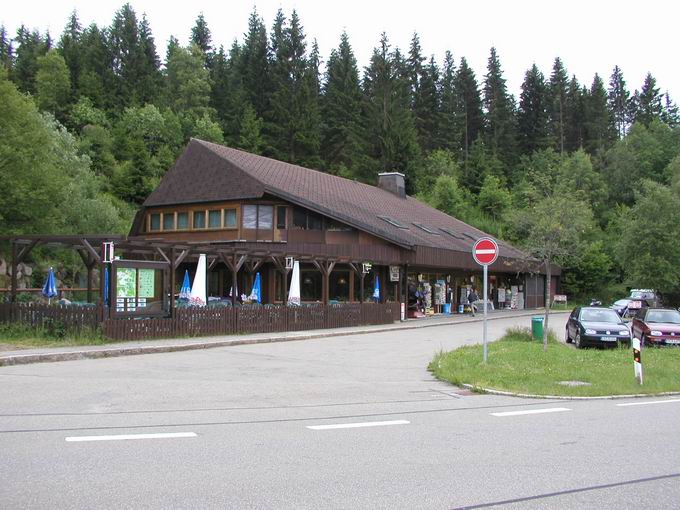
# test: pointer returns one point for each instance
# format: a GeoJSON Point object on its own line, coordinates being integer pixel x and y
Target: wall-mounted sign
{"type": "Point", "coordinates": [126, 282]}
{"type": "Point", "coordinates": [290, 261]}
{"type": "Point", "coordinates": [366, 267]}
{"type": "Point", "coordinates": [394, 273]}
{"type": "Point", "coordinates": [147, 283]}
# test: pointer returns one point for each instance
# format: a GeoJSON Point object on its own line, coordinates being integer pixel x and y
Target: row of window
{"type": "Point", "coordinates": [255, 217]}
{"type": "Point", "coordinates": [187, 220]}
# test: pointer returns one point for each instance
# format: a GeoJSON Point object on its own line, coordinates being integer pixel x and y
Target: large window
{"type": "Point", "coordinates": [169, 221]}
{"type": "Point", "coordinates": [281, 217]}
{"type": "Point", "coordinates": [215, 218]}
{"type": "Point", "coordinates": [182, 220]}
{"type": "Point", "coordinates": [307, 220]}
{"type": "Point", "coordinates": [230, 218]}
{"type": "Point", "coordinates": [155, 222]}
{"type": "Point", "coordinates": [199, 219]}
{"type": "Point", "coordinates": [258, 216]}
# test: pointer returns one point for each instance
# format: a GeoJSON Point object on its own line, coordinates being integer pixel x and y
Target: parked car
{"type": "Point", "coordinates": [594, 325]}
{"type": "Point", "coordinates": [657, 326]}
{"type": "Point", "coordinates": [627, 308]}
{"type": "Point", "coordinates": [647, 295]}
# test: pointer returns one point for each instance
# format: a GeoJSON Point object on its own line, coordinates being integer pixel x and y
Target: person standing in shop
{"type": "Point", "coordinates": [472, 298]}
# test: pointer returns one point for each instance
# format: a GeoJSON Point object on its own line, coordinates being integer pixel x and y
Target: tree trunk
{"type": "Point", "coordinates": [547, 304]}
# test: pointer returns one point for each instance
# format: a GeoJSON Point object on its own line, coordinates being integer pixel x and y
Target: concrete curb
{"type": "Point", "coordinates": [46, 357]}
{"type": "Point", "coordinates": [563, 397]}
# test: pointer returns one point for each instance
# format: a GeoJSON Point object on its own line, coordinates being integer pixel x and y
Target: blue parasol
{"type": "Point", "coordinates": [185, 291]}
{"type": "Point", "coordinates": [256, 293]}
{"type": "Point", "coordinates": [106, 286]}
{"type": "Point", "coordinates": [376, 289]}
{"type": "Point", "coordinates": [49, 290]}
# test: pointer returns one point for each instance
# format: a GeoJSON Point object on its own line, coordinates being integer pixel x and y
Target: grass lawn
{"type": "Point", "coordinates": [19, 337]}
{"type": "Point", "coordinates": [518, 364]}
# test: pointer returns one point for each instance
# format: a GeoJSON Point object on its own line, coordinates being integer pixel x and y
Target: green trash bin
{"type": "Point", "coordinates": [537, 328]}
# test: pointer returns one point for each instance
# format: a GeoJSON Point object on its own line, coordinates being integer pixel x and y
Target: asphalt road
{"type": "Point", "coordinates": [344, 422]}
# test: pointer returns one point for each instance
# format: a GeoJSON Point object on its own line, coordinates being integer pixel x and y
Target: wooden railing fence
{"type": "Point", "coordinates": [195, 321]}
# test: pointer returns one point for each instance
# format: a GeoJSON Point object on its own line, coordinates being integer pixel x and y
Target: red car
{"type": "Point", "coordinates": [657, 326]}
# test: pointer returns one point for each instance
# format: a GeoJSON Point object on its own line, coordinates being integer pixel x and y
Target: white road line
{"type": "Point", "coordinates": [358, 425]}
{"type": "Point", "coordinates": [122, 437]}
{"type": "Point", "coordinates": [648, 403]}
{"type": "Point", "coordinates": [532, 411]}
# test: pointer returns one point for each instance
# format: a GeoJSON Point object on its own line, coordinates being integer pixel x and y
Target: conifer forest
{"type": "Point", "coordinates": [92, 118]}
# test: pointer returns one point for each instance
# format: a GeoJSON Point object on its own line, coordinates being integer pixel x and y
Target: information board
{"type": "Point", "coordinates": [126, 282]}
{"type": "Point", "coordinates": [147, 283]}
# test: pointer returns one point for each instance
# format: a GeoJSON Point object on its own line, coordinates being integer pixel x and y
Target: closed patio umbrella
{"type": "Point", "coordinates": [198, 290]}
{"type": "Point", "coordinates": [49, 289]}
{"type": "Point", "coordinates": [294, 292]}
{"type": "Point", "coordinates": [256, 293]}
{"type": "Point", "coordinates": [185, 290]}
{"type": "Point", "coordinates": [376, 288]}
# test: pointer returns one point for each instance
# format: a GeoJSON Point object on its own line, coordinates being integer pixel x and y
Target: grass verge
{"type": "Point", "coordinates": [16, 336]}
{"type": "Point", "coordinates": [518, 364]}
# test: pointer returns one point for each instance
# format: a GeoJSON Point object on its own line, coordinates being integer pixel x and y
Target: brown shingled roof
{"type": "Point", "coordinates": [207, 172]}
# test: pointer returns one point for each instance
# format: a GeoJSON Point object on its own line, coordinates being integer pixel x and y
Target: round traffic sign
{"type": "Point", "coordinates": [485, 251]}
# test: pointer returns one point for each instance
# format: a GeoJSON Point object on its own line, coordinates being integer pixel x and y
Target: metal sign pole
{"type": "Point", "coordinates": [486, 353]}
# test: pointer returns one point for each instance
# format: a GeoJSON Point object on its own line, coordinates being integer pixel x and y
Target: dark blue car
{"type": "Point", "coordinates": [593, 325]}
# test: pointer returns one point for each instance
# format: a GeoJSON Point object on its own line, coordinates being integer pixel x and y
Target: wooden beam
{"type": "Point", "coordinates": [26, 250]}
{"type": "Point", "coordinates": [162, 254]}
{"type": "Point", "coordinates": [180, 258]}
{"type": "Point", "coordinates": [15, 263]}
{"type": "Point", "coordinates": [92, 251]}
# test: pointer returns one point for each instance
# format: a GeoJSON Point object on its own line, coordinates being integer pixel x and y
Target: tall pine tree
{"type": "Point", "coordinates": [341, 109]}
{"type": "Point", "coordinates": [557, 104]}
{"type": "Point", "coordinates": [499, 128]}
{"type": "Point", "coordinates": [532, 117]}
{"type": "Point", "coordinates": [469, 115]}
{"type": "Point", "coordinates": [618, 100]}
{"type": "Point", "coordinates": [598, 129]}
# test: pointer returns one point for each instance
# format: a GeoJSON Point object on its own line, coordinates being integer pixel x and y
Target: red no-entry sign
{"type": "Point", "coordinates": [485, 251]}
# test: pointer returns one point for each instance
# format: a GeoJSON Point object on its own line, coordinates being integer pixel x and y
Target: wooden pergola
{"type": "Point", "coordinates": [233, 254]}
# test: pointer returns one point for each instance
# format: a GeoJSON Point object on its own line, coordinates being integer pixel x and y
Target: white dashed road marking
{"type": "Point", "coordinates": [649, 403]}
{"type": "Point", "coordinates": [358, 425]}
{"type": "Point", "coordinates": [532, 411]}
{"type": "Point", "coordinates": [122, 437]}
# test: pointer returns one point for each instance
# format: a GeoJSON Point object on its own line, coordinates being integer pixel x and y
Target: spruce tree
{"type": "Point", "coordinates": [128, 56]}
{"type": "Point", "coordinates": [532, 116]}
{"type": "Point", "coordinates": [71, 48]}
{"type": "Point", "coordinates": [292, 128]}
{"type": "Point", "coordinates": [448, 111]}
{"type": "Point", "coordinates": [31, 45]}
{"type": "Point", "coordinates": [341, 110]}
{"type": "Point", "coordinates": [253, 65]}
{"type": "Point", "coordinates": [415, 68]}
{"type": "Point", "coordinates": [597, 122]}
{"type": "Point", "coordinates": [647, 103]}
{"type": "Point", "coordinates": [670, 114]}
{"type": "Point", "coordinates": [390, 132]}
{"type": "Point", "coordinates": [574, 116]}
{"type": "Point", "coordinates": [557, 104]}
{"type": "Point", "coordinates": [226, 94]}
{"type": "Point", "coordinates": [150, 79]}
{"type": "Point", "coordinates": [426, 107]}
{"type": "Point", "coordinates": [469, 117]}
{"type": "Point", "coordinates": [96, 79]}
{"type": "Point", "coordinates": [499, 128]}
{"type": "Point", "coordinates": [618, 100]}
{"type": "Point", "coordinates": [6, 51]}
{"type": "Point", "coordinates": [201, 36]}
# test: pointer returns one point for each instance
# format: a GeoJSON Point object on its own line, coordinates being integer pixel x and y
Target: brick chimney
{"type": "Point", "coordinates": [392, 182]}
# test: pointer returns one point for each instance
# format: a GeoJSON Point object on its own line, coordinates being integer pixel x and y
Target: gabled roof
{"type": "Point", "coordinates": [207, 172]}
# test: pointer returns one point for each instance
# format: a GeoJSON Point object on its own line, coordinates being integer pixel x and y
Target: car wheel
{"type": "Point", "coordinates": [567, 338]}
{"type": "Point", "coordinates": [577, 341]}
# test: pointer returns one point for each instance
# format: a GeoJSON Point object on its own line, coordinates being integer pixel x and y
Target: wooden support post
{"type": "Point", "coordinates": [281, 267]}
{"type": "Point", "coordinates": [325, 267]}
{"type": "Point", "coordinates": [234, 263]}
{"type": "Point", "coordinates": [173, 277]}
{"type": "Point", "coordinates": [362, 277]}
{"type": "Point", "coordinates": [15, 264]}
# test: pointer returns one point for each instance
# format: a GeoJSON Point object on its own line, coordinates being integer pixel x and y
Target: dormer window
{"type": "Point", "coordinates": [393, 222]}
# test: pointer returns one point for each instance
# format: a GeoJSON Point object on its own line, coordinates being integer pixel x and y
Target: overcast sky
{"type": "Point", "coordinates": [589, 36]}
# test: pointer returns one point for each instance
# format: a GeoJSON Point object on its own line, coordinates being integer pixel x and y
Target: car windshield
{"type": "Point", "coordinates": [600, 316]}
{"type": "Point", "coordinates": [621, 302]}
{"type": "Point", "coordinates": [639, 295]}
{"type": "Point", "coordinates": [668, 316]}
